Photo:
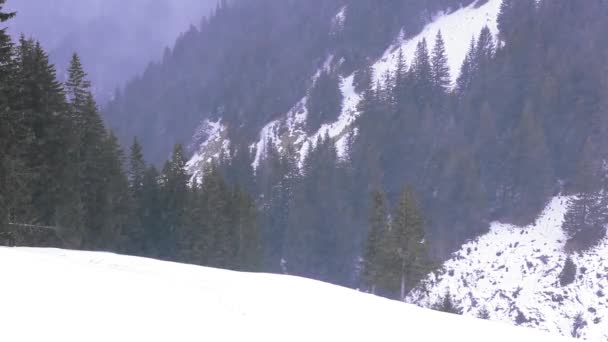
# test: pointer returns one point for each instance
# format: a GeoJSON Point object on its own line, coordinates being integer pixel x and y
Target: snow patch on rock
{"type": "Point", "coordinates": [212, 142]}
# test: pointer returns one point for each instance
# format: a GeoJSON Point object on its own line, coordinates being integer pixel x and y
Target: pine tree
{"type": "Point", "coordinates": [446, 304]}
{"type": "Point", "coordinates": [117, 230]}
{"type": "Point", "coordinates": [324, 102]}
{"type": "Point", "coordinates": [568, 274]}
{"type": "Point", "coordinates": [468, 69]}
{"type": "Point", "coordinates": [515, 19]}
{"type": "Point", "coordinates": [440, 67]}
{"type": "Point", "coordinates": [41, 105]}
{"type": "Point", "coordinates": [219, 236]}
{"type": "Point", "coordinates": [174, 191]}
{"type": "Point", "coordinates": [8, 160]}
{"type": "Point", "coordinates": [373, 258]}
{"type": "Point", "coordinates": [406, 246]}
{"type": "Point", "coordinates": [78, 90]}
{"type": "Point", "coordinates": [485, 47]}
{"type": "Point", "coordinates": [588, 214]}
{"type": "Point", "coordinates": [137, 168]}
{"type": "Point", "coordinates": [531, 173]}
{"type": "Point", "coordinates": [151, 215]}
{"type": "Point", "coordinates": [136, 176]}
{"type": "Point", "coordinates": [422, 72]}
{"type": "Point", "coordinates": [363, 78]}
{"type": "Point", "coordinates": [248, 254]}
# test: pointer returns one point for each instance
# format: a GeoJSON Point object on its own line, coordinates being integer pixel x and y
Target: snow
{"type": "Point", "coordinates": [59, 295]}
{"type": "Point", "coordinates": [514, 271]}
{"type": "Point", "coordinates": [213, 141]}
{"type": "Point", "coordinates": [338, 128]}
{"type": "Point", "coordinates": [457, 29]}
{"type": "Point", "coordinates": [268, 134]}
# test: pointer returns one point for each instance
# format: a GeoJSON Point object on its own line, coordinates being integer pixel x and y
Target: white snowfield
{"type": "Point", "coordinates": [513, 272]}
{"type": "Point", "coordinates": [58, 295]}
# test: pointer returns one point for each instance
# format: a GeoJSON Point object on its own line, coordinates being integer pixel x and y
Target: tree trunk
{"type": "Point", "coordinates": [402, 297]}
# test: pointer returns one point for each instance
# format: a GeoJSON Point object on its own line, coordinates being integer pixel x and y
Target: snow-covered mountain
{"type": "Point", "coordinates": [457, 27]}
{"type": "Point", "coordinates": [60, 295]}
{"type": "Point", "coordinates": [513, 272]}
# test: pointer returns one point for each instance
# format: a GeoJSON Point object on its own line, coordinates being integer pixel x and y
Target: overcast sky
{"type": "Point", "coordinates": [115, 38]}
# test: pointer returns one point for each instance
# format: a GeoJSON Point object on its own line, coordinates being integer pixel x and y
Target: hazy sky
{"type": "Point", "coordinates": [115, 38]}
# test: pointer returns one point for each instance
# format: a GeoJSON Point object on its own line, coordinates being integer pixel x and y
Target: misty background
{"type": "Point", "coordinates": [116, 39]}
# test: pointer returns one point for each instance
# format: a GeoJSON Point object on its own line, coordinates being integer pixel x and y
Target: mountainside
{"type": "Point", "coordinates": [310, 108]}
{"type": "Point", "coordinates": [517, 275]}
{"type": "Point", "coordinates": [252, 61]}
{"type": "Point", "coordinates": [106, 297]}
{"type": "Point", "coordinates": [116, 40]}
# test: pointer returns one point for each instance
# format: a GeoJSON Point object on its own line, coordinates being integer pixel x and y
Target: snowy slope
{"type": "Point", "coordinates": [457, 28]}
{"type": "Point", "coordinates": [211, 140]}
{"type": "Point", "coordinates": [57, 295]}
{"type": "Point", "coordinates": [513, 272]}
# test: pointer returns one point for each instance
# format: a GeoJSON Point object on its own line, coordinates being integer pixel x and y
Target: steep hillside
{"type": "Point", "coordinates": [457, 27]}
{"type": "Point", "coordinates": [252, 61]}
{"type": "Point", "coordinates": [312, 108]}
{"type": "Point", "coordinates": [106, 297]}
{"type": "Point", "coordinates": [516, 274]}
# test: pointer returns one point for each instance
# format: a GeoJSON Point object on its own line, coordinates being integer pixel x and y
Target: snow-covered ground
{"type": "Point", "coordinates": [513, 272]}
{"type": "Point", "coordinates": [58, 295]}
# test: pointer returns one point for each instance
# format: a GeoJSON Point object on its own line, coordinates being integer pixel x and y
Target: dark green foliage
{"type": "Point", "coordinates": [405, 246]}
{"type": "Point", "coordinates": [363, 78]}
{"type": "Point", "coordinates": [446, 304]}
{"type": "Point", "coordinates": [277, 177]}
{"type": "Point", "coordinates": [568, 274]}
{"type": "Point", "coordinates": [440, 67]}
{"type": "Point", "coordinates": [319, 241]}
{"type": "Point", "coordinates": [64, 181]}
{"type": "Point", "coordinates": [324, 102]}
{"type": "Point", "coordinates": [588, 214]}
{"type": "Point", "coordinates": [373, 257]}
{"type": "Point", "coordinates": [246, 63]}
{"type": "Point", "coordinates": [8, 163]}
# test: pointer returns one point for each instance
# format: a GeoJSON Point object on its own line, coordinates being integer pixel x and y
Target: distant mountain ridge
{"type": "Point", "coordinates": [115, 39]}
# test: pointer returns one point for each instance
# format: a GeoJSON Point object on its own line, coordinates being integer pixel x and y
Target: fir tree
{"type": "Point", "coordinates": [324, 101]}
{"type": "Point", "coordinates": [363, 78]}
{"type": "Point", "coordinates": [446, 304]}
{"type": "Point", "coordinates": [174, 192]}
{"type": "Point", "coordinates": [118, 232]}
{"type": "Point", "coordinates": [568, 274]}
{"type": "Point", "coordinates": [422, 72]}
{"type": "Point", "coordinates": [467, 70]}
{"type": "Point", "coordinates": [8, 159]}
{"type": "Point", "coordinates": [485, 47]}
{"type": "Point", "coordinates": [440, 67]}
{"type": "Point", "coordinates": [406, 244]}
{"type": "Point", "coordinates": [373, 258]}
{"type": "Point", "coordinates": [151, 215]}
{"type": "Point", "coordinates": [248, 254]}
